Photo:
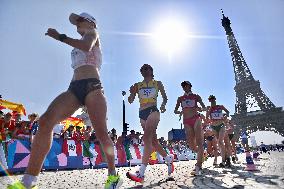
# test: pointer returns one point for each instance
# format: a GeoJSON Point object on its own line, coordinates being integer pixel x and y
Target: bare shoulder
{"type": "Point", "coordinates": [160, 83]}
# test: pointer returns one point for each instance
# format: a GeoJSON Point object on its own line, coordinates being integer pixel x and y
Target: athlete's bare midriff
{"type": "Point", "coordinates": [189, 112]}
{"type": "Point", "coordinates": [217, 122]}
{"type": "Point", "coordinates": [147, 105]}
{"type": "Point", "coordinates": [85, 72]}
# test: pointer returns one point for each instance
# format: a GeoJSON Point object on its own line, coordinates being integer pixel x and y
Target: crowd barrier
{"type": "Point", "coordinates": [70, 154]}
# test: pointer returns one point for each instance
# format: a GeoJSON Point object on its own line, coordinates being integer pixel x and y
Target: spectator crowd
{"type": "Point", "coordinates": [13, 127]}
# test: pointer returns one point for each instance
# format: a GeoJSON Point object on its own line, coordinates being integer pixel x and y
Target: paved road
{"type": "Point", "coordinates": [270, 175]}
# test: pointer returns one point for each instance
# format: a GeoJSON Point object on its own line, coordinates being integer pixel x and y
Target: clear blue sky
{"type": "Point", "coordinates": [35, 68]}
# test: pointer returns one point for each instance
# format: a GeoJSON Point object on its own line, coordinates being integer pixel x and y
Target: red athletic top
{"type": "Point", "coordinates": [189, 101]}
{"type": "Point", "coordinates": [216, 112]}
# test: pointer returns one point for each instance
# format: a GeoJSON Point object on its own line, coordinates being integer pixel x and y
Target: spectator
{"type": "Point", "coordinates": [122, 140]}
{"type": "Point", "coordinates": [77, 135]}
{"type": "Point", "coordinates": [113, 135]}
{"type": "Point", "coordinates": [1, 114]}
{"type": "Point", "coordinates": [68, 134]}
{"type": "Point", "coordinates": [138, 134]}
{"type": "Point", "coordinates": [162, 141]}
{"type": "Point", "coordinates": [93, 138]}
{"type": "Point", "coordinates": [264, 148]}
{"type": "Point", "coordinates": [57, 130]}
{"type": "Point", "coordinates": [87, 133]}
{"type": "Point", "coordinates": [7, 126]}
{"type": "Point", "coordinates": [16, 116]}
{"type": "Point", "coordinates": [33, 125]}
{"type": "Point", "coordinates": [134, 139]}
{"type": "Point", "coordinates": [21, 131]}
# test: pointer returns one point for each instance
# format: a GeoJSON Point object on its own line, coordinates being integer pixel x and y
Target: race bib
{"type": "Point", "coordinates": [188, 103]}
{"type": "Point", "coordinates": [145, 93]}
{"type": "Point", "coordinates": [217, 114]}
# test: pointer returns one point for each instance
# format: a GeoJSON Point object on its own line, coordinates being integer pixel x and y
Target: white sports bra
{"type": "Point", "coordinates": [81, 58]}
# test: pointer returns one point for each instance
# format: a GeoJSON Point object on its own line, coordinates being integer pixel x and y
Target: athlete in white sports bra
{"type": "Point", "coordinates": [85, 89]}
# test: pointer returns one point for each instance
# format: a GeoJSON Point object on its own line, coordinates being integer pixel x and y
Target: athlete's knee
{"type": "Point", "coordinates": [46, 123]}
{"type": "Point", "coordinates": [192, 146]}
{"type": "Point", "coordinates": [102, 135]}
{"type": "Point", "coordinates": [155, 142]}
{"type": "Point", "coordinates": [147, 141]}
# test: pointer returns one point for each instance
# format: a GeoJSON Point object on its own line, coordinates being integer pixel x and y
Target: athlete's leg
{"type": "Point", "coordinates": [149, 132]}
{"type": "Point", "coordinates": [157, 146]}
{"type": "Point", "coordinates": [228, 146]}
{"type": "Point", "coordinates": [96, 105]}
{"type": "Point", "coordinates": [221, 143]}
{"type": "Point", "coordinates": [199, 141]}
{"type": "Point", "coordinates": [233, 142]}
{"type": "Point", "coordinates": [209, 147]}
{"type": "Point", "coordinates": [215, 147]}
{"type": "Point", "coordinates": [190, 137]}
{"type": "Point", "coordinates": [61, 107]}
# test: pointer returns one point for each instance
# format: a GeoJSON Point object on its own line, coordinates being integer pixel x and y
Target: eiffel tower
{"type": "Point", "coordinates": [249, 94]}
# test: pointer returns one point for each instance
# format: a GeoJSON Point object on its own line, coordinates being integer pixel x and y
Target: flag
{"type": "Point", "coordinates": [153, 158]}
{"type": "Point", "coordinates": [72, 148]}
{"type": "Point", "coordinates": [4, 104]}
{"type": "Point", "coordinates": [72, 121]}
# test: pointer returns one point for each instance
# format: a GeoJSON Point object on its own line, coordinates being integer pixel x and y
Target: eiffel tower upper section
{"type": "Point", "coordinates": [246, 85]}
{"type": "Point", "coordinates": [249, 92]}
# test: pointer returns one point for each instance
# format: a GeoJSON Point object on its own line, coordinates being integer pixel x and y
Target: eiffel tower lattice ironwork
{"type": "Point", "coordinates": [248, 93]}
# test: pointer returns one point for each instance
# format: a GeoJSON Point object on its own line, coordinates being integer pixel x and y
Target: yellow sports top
{"type": "Point", "coordinates": [148, 92]}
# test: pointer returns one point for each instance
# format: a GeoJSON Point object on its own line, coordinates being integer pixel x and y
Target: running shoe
{"type": "Point", "coordinates": [137, 177]}
{"type": "Point", "coordinates": [222, 165]}
{"type": "Point", "coordinates": [19, 185]}
{"type": "Point", "coordinates": [196, 171]}
{"type": "Point", "coordinates": [228, 163]}
{"type": "Point", "coordinates": [234, 159]}
{"type": "Point", "coordinates": [113, 182]}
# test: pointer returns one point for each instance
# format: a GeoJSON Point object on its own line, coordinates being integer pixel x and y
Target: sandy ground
{"type": "Point", "coordinates": [270, 175]}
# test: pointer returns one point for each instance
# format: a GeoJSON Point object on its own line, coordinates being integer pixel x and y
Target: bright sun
{"type": "Point", "coordinates": [169, 36]}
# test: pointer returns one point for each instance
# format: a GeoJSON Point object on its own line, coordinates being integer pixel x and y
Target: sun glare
{"type": "Point", "coordinates": [169, 36]}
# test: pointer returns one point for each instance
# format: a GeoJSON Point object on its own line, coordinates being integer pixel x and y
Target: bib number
{"type": "Point", "coordinates": [217, 115]}
{"type": "Point", "coordinates": [188, 103]}
{"type": "Point", "coordinates": [145, 93]}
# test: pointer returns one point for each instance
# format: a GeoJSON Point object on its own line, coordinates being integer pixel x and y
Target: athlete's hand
{"type": "Point", "coordinates": [204, 109]}
{"type": "Point", "coordinates": [180, 115]}
{"type": "Point", "coordinates": [163, 108]}
{"type": "Point", "coordinates": [52, 33]}
{"type": "Point", "coordinates": [178, 112]}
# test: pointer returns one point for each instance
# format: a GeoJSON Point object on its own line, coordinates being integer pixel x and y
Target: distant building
{"type": "Point", "coordinates": [176, 135]}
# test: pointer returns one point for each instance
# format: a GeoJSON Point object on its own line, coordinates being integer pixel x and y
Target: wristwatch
{"type": "Point", "coordinates": [62, 37]}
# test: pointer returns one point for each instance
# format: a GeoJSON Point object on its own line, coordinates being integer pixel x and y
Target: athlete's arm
{"type": "Point", "coordinates": [227, 111]}
{"type": "Point", "coordinates": [133, 90]}
{"type": "Point", "coordinates": [201, 103]}
{"type": "Point", "coordinates": [84, 44]}
{"type": "Point", "coordinates": [208, 113]}
{"type": "Point", "coordinates": [164, 95]}
{"type": "Point", "coordinates": [177, 106]}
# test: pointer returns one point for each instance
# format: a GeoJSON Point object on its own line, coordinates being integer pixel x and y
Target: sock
{"type": "Point", "coordinates": [142, 169]}
{"type": "Point", "coordinates": [29, 180]}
